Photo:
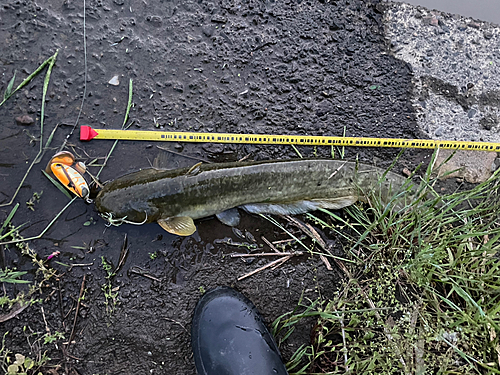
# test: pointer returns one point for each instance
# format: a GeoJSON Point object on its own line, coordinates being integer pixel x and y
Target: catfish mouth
{"type": "Point", "coordinates": [95, 189]}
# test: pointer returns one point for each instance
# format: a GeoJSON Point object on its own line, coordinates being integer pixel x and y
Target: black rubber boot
{"type": "Point", "coordinates": [229, 337]}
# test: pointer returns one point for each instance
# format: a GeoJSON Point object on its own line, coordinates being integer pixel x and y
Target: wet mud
{"type": "Point", "coordinates": [303, 67]}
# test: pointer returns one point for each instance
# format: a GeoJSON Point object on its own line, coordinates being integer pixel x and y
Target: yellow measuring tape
{"type": "Point", "coordinates": [87, 133]}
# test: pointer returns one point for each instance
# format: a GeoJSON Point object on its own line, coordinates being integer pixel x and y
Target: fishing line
{"type": "Point", "coordinates": [84, 79]}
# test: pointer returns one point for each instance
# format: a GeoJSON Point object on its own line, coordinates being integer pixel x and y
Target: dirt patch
{"type": "Point", "coordinates": [229, 66]}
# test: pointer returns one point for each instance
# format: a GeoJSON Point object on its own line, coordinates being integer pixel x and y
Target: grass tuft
{"type": "Point", "coordinates": [421, 294]}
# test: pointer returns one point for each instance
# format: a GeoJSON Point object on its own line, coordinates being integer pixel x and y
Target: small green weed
{"type": "Point", "coordinates": [89, 222]}
{"type": "Point", "coordinates": [110, 293]}
{"type": "Point", "coordinates": [33, 200]}
{"type": "Point", "coordinates": [12, 276]}
{"type": "Point", "coordinates": [50, 338]}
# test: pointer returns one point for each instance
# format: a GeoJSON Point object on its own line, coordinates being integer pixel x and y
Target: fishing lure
{"type": "Point", "coordinates": [61, 166]}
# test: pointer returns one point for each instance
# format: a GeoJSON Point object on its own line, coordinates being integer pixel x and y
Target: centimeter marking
{"type": "Point", "coordinates": [307, 140]}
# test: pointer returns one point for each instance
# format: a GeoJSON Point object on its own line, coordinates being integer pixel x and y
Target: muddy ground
{"type": "Point", "coordinates": [303, 67]}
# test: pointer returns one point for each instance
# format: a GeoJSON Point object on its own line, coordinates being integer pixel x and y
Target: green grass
{"type": "Point", "coordinates": [9, 92]}
{"type": "Point", "coordinates": [421, 294]}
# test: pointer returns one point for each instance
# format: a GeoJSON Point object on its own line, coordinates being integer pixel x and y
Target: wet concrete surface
{"type": "Point", "coordinates": [485, 10]}
{"type": "Point", "coordinates": [456, 66]}
{"type": "Point", "coordinates": [308, 68]}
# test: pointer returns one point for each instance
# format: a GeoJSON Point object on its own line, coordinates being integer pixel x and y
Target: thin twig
{"type": "Point", "coordinates": [16, 309]}
{"type": "Point", "coordinates": [297, 151]}
{"type": "Point", "coordinates": [271, 264]}
{"type": "Point", "coordinates": [337, 170]}
{"type": "Point", "coordinates": [344, 341]}
{"type": "Point", "coordinates": [45, 320]}
{"type": "Point", "coordinates": [96, 181]}
{"type": "Point", "coordinates": [275, 222]}
{"type": "Point", "coordinates": [76, 312]}
{"type": "Point", "coordinates": [139, 271]}
{"type": "Point", "coordinates": [326, 262]}
{"type": "Point", "coordinates": [123, 254]}
{"type": "Point", "coordinates": [176, 322]}
{"type": "Point", "coordinates": [74, 265]}
{"type": "Point", "coordinates": [266, 254]}
{"type": "Point", "coordinates": [244, 158]}
{"type": "Point", "coordinates": [284, 241]}
{"type": "Point", "coordinates": [283, 260]}
{"type": "Point", "coordinates": [61, 310]}
{"type": "Point", "coordinates": [186, 156]}
{"type": "Point", "coordinates": [270, 244]}
{"type": "Point", "coordinates": [311, 232]}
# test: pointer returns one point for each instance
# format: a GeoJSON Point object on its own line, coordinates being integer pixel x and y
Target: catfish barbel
{"type": "Point", "coordinates": [174, 198]}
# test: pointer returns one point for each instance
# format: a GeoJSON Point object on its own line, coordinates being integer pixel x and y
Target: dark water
{"type": "Point", "coordinates": [486, 10]}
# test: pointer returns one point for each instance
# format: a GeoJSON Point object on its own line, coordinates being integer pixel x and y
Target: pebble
{"type": "Point", "coordinates": [208, 31]}
{"type": "Point", "coordinates": [25, 120]}
{"type": "Point", "coordinates": [217, 18]}
{"type": "Point", "coordinates": [155, 20]}
{"type": "Point", "coordinates": [489, 122]}
{"type": "Point", "coordinates": [178, 86]}
{"type": "Point", "coordinates": [474, 167]}
{"type": "Point", "coordinates": [114, 81]}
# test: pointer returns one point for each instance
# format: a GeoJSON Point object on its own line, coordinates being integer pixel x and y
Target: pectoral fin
{"type": "Point", "coordinates": [299, 207]}
{"type": "Point", "coordinates": [229, 217]}
{"type": "Point", "coordinates": [180, 225]}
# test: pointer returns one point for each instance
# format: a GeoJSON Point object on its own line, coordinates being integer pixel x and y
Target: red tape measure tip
{"type": "Point", "coordinates": [87, 133]}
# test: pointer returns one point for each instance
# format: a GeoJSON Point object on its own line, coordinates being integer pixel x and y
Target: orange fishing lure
{"type": "Point", "coordinates": [61, 166]}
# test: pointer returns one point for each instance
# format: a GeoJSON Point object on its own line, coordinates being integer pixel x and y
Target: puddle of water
{"type": "Point", "coordinates": [486, 10]}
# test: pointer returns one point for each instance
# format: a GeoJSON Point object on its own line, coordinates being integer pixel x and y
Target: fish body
{"type": "Point", "coordinates": [177, 196]}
